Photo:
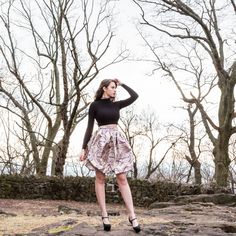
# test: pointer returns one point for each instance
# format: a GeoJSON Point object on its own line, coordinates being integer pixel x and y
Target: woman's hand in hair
{"type": "Point", "coordinates": [118, 82]}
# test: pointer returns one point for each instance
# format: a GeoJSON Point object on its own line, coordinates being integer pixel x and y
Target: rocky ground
{"type": "Point", "coordinates": [190, 215]}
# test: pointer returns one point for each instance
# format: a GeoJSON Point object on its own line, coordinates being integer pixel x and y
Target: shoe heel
{"type": "Point", "coordinates": [137, 228]}
{"type": "Point", "coordinates": [106, 227]}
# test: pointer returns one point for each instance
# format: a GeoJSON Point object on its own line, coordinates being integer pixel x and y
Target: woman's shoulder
{"type": "Point", "coordinates": [94, 104]}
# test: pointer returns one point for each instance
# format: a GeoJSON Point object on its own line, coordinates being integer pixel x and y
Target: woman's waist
{"type": "Point", "coordinates": [108, 126]}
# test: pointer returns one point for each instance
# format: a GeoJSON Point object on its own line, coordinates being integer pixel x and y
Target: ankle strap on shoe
{"type": "Point", "coordinates": [133, 219]}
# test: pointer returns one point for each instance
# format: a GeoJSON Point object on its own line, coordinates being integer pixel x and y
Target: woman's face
{"type": "Point", "coordinates": [110, 90]}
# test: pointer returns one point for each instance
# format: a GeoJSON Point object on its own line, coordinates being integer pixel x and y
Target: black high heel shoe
{"type": "Point", "coordinates": [137, 228]}
{"type": "Point", "coordinates": [106, 227]}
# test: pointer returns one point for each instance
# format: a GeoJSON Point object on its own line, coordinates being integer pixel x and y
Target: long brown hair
{"type": "Point", "coordinates": [100, 91]}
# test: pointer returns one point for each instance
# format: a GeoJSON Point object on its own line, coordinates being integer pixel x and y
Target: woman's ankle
{"type": "Point", "coordinates": [105, 219]}
{"type": "Point", "coordinates": [133, 220]}
{"type": "Point", "coordinates": [132, 216]}
{"type": "Point", "coordinates": [104, 214]}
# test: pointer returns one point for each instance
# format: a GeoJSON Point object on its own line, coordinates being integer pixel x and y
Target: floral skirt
{"type": "Point", "coordinates": [109, 151]}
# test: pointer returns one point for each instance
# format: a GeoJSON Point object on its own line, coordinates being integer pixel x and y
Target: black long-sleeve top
{"type": "Point", "coordinates": [106, 112]}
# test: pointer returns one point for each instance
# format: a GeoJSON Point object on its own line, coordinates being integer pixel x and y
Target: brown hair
{"type": "Point", "coordinates": [100, 91]}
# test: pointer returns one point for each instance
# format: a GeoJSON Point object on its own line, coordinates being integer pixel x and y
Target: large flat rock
{"type": "Point", "coordinates": [32, 217]}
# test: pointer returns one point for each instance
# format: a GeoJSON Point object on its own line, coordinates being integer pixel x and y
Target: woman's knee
{"type": "Point", "coordinates": [121, 179]}
{"type": "Point", "coordinates": [100, 177]}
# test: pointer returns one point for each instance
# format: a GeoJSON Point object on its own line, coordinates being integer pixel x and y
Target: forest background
{"type": "Point", "coordinates": [178, 55]}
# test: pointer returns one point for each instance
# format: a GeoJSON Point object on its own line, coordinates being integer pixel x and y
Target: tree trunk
{"type": "Point", "coordinates": [197, 172]}
{"type": "Point", "coordinates": [55, 150]}
{"type": "Point", "coordinates": [220, 151]}
{"type": "Point", "coordinates": [196, 165]}
{"type": "Point", "coordinates": [33, 143]}
{"type": "Point", "coordinates": [60, 159]}
{"type": "Point", "coordinates": [42, 169]}
{"type": "Point", "coordinates": [222, 161]}
{"type": "Point", "coordinates": [194, 162]}
{"type": "Point", "coordinates": [135, 171]}
{"type": "Point", "coordinates": [53, 165]}
{"type": "Point", "coordinates": [44, 161]}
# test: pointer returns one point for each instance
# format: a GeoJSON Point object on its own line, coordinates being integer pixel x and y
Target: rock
{"type": "Point", "coordinates": [206, 199]}
{"type": "Point", "coordinates": [156, 229]}
{"type": "Point", "coordinates": [7, 214]}
{"type": "Point", "coordinates": [161, 205]}
{"type": "Point", "coordinates": [191, 208]}
{"type": "Point", "coordinates": [82, 229]}
{"type": "Point", "coordinates": [93, 213]}
{"type": "Point", "coordinates": [220, 198]}
{"type": "Point", "coordinates": [98, 213]}
{"type": "Point", "coordinates": [67, 210]}
{"type": "Point", "coordinates": [192, 219]}
{"type": "Point", "coordinates": [113, 213]}
{"type": "Point", "coordinates": [54, 226]}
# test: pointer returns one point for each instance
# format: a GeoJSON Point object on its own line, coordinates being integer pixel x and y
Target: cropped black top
{"type": "Point", "coordinates": [106, 112]}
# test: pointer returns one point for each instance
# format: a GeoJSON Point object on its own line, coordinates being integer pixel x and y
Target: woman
{"type": "Point", "coordinates": [107, 150]}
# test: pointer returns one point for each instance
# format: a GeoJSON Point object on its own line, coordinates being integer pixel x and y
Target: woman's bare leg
{"type": "Point", "coordinates": [126, 195]}
{"type": "Point", "coordinates": [100, 193]}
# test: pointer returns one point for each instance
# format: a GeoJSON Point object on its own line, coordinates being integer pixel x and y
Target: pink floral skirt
{"type": "Point", "coordinates": [109, 151]}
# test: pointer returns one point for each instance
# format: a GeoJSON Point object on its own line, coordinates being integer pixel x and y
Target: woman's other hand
{"type": "Point", "coordinates": [118, 82]}
{"type": "Point", "coordinates": [82, 155]}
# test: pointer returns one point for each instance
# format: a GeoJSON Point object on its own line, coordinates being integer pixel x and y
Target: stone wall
{"type": "Point", "coordinates": [82, 189]}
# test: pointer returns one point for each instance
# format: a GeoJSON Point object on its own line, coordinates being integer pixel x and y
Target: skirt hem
{"type": "Point", "coordinates": [92, 167]}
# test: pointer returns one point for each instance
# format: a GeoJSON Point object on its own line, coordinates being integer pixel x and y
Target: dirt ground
{"type": "Point", "coordinates": [33, 214]}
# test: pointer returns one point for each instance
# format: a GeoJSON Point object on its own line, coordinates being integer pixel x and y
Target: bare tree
{"type": "Point", "coordinates": [152, 135]}
{"type": "Point", "coordinates": [130, 126]}
{"type": "Point", "coordinates": [67, 42]}
{"type": "Point", "coordinates": [232, 154]}
{"type": "Point", "coordinates": [143, 132]}
{"type": "Point", "coordinates": [178, 170]}
{"type": "Point", "coordinates": [14, 159]}
{"type": "Point", "coordinates": [202, 86]}
{"type": "Point", "coordinates": [233, 4]}
{"type": "Point", "coordinates": [193, 159]}
{"type": "Point", "coordinates": [7, 154]}
{"type": "Point", "coordinates": [201, 23]}
{"type": "Point", "coordinates": [188, 137]}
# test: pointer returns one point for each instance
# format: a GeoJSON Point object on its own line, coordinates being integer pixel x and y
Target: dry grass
{"type": "Point", "coordinates": [24, 224]}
